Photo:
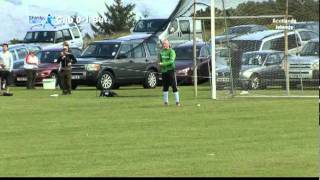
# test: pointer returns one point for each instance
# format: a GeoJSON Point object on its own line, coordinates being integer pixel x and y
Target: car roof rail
{"type": "Point", "coordinates": [36, 25]}
{"type": "Point", "coordinates": [54, 26]}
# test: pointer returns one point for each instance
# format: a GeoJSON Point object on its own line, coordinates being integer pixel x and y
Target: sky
{"type": "Point", "coordinates": [162, 9]}
{"type": "Point", "coordinates": [15, 12]}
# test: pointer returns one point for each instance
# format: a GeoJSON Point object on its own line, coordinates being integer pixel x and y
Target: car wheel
{"type": "Point", "coordinates": [106, 80]}
{"type": "Point", "coordinates": [255, 82]}
{"type": "Point", "coordinates": [151, 80]}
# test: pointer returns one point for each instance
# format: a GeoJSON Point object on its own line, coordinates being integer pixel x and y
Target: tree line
{"type": "Point", "coordinates": [301, 10]}
{"type": "Point", "coordinates": [121, 17]}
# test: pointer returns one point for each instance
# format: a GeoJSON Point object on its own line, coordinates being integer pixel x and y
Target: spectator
{"type": "Point", "coordinates": [66, 59]}
{"type": "Point", "coordinates": [236, 63]}
{"type": "Point", "coordinates": [6, 67]}
{"type": "Point", "coordinates": [31, 65]}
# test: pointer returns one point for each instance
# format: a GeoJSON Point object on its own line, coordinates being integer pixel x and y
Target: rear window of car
{"type": "Point", "coordinates": [253, 58]}
{"type": "Point", "coordinates": [34, 48]}
{"type": "Point", "coordinates": [185, 53]}
{"type": "Point", "coordinates": [153, 48]}
{"type": "Point", "coordinates": [101, 50]}
{"type": "Point", "coordinates": [48, 56]}
{"type": "Point", "coordinates": [22, 53]}
{"type": "Point", "coordinates": [66, 34]}
{"type": "Point", "coordinates": [39, 36]}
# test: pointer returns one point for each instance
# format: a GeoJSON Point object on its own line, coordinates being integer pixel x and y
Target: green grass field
{"type": "Point", "coordinates": [134, 135]}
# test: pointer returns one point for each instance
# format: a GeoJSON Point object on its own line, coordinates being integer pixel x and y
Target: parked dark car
{"type": "Point", "coordinates": [109, 64]}
{"type": "Point", "coordinates": [259, 69]}
{"type": "Point", "coordinates": [237, 31]}
{"type": "Point", "coordinates": [47, 68]}
{"type": "Point", "coordinates": [184, 62]}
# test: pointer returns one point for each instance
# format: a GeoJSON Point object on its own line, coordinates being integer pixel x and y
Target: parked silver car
{"type": "Point", "coordinates": [258, 70]}
{"type": "Point", "coordinates": [305, 66]}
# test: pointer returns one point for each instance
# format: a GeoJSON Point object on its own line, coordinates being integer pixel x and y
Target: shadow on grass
{"type": "Point", "coordinates": [137, 96]}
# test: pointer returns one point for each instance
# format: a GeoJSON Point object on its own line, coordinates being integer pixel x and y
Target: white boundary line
{"type": "Point", "coordinates": [260, 96]}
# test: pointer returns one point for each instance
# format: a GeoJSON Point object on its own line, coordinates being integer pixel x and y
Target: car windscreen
{"type": "Point", "coordinates": [98, 50]}
{"type": "Point", "coordinates": [39, 37]}
{"type": "Point", "coordinates": [185, 53]}
{"type": "Point", "coordinates": [253, 59]}
{"type": "Point", "coordinates": [152, 25]}
{"type": "Point", "coordinates": [48, 56]}
{"type": "Point", "coordinates": [310, 49]}
{"type": "Point", "coordinates": [247, 45]}
{"type": "Point", "coordinates": [300, 26]}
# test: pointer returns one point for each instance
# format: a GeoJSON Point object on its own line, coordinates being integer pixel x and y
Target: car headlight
{"type": "Point", "coordinates": [246, 74]}
{"type": "Point", "coordinates": [315, 66]}
{"type": "Point", "coordinates": [93, 67]}
{"type": "Point", "coordinates": [184, 71]}
{"type": "Point", "coordinates": [45, 73]}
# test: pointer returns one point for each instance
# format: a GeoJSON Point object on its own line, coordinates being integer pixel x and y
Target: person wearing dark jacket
{"type": "Point", "coordinates": [66, 59]}
{"type": "Point", "coordinates": [236, 63]}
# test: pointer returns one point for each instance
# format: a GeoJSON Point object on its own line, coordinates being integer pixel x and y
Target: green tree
{"type": "Point", "coordinates": [119, 18]}
{"type": "Point", "coordinates": [301, 10]}
{"type": "Point", "coordinates": [15, 41]}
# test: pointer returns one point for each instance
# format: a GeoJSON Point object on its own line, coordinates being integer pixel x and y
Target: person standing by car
{"type": "Point", "coordinates": [167, 64]}
{"type": "Point", "coordinates": [31, 65]}
{"type": "Point", "coordinates": [7, 66]}
{"type": "Point", "coordinates": [236, 63]}
{"type": "Point", "coordinates": [66, 59]}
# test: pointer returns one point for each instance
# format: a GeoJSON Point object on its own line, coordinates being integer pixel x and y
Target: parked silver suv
{"type": "Point", "coordinates": [305, 66]}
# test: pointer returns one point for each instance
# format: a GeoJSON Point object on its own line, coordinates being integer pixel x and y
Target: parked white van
{"type": "Point", "coordinates": [54, 36]}
{"type": "Point", "coordinates": [177, 31]}
{"type": "Point", "coordinates": [274, 40]}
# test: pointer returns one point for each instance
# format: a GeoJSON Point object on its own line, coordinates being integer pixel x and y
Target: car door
{"type": "Point", "coordinates": [185, 30]}
{"type": "Point", "coordinates": [77, 39]}
{"type": "Point", "coordinates": [204, 62]}
{"type": "Point", "coordinates": [273, 72]}
{"type": "Point", "coordinates": [59, 38]}
{"type": "Point", "coordinates": [140, 60]}
{"type": "Point", "coordinates": [295, 43]}
{"type": "Point", "coordinates": [68, 37]}
{"type": "Point", "coordinates": [15, 57]}
{"type": "Point", "coordinates": [22, 54]}
{"type": "Point", "coordinates": [123, 65]}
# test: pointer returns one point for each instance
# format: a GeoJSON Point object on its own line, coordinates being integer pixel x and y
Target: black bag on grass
{"type": "Point", "coordinates": [7, 94]}
{"type": "Point", "coordinates": [107, 93]}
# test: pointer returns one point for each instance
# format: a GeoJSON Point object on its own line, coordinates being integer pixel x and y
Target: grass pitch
{"type": "Point", "coordinates": [134, 135]}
